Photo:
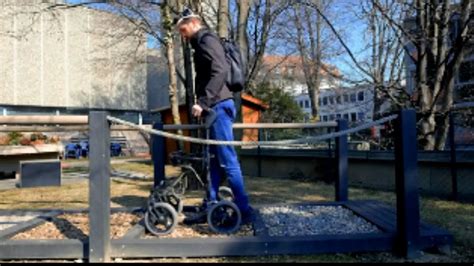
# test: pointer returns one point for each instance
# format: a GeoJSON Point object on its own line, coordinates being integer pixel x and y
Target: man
{"type": "Point", "coordinates": [212, 93]}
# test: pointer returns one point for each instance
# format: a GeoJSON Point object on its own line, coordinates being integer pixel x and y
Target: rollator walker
{"type": "Point", "coordinates": [166, 199]}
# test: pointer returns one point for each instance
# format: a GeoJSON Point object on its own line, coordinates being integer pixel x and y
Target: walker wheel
{"type": "Point", "coordinates": [224, 217]}
{"type": "Point", "coordinates": [225, 193]}
{"type": "Point", "coordinates": [161, 218]}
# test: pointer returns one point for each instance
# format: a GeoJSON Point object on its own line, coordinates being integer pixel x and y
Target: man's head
{"type": "Point", "coordinates": [188, 24]}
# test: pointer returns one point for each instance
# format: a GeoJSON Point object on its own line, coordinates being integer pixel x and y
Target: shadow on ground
{"type": "Point", "coordinates": [130, 201]}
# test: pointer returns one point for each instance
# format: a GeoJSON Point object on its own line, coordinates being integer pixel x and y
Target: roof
{"type": "Point", "coordinates": [249, 98]}
{"type": "Point", "coordinates": [288, 61]}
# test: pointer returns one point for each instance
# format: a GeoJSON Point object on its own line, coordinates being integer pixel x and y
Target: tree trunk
{"type": "Point", "coordinates": [242, 37]}
{"type": "Point", "coordinates": [260, 39]}
{"type": "Point", "coordinates": [428, 120]}
{"type": "Point", "coordinates": [223, 21]}
{"type": "Point", "coordinates": [310, 54]}
{"type": "Point", "coordinates": [173, 82]}
{"type": "Point", "coordinates": [438, 64]}
{"type": "Point", "coordinates": [242, 40]}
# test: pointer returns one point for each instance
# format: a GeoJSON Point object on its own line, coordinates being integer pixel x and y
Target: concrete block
{"type": "Point", "coordinates": [40, 173]}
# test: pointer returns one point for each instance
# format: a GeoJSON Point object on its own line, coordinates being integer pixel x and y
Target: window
{"type": "Point", "coordinates": [338, 99]}
{"type": "Point", "coordinates": [331, 117]}
{"type": "Point", "coordinates": [360, 96]}
{"type": "Point", "coordinates": [338, 116]}
{"type": "Point", "coordinates": [361, 116]}
{"type": "Point", "coordinates": [331, 99]}
{"type": "Point", "coordinates": [346, 116]}
{"type": "Point", "coordinates": [454, 28]}
{"type": "Point", "coordinates": [353, 116]}
{"type": "Point", "coordinates": [301, 104]}
{"type": "Point", "coordinates": [306, 104]}
{"type": "Point", "coordinates": [346, 98]}
{"type": "Point", "coordinates": [353, 97]}
{"type": "Point", "coordinates": [291, 70]}
{"type": "Point", "coordinates": [325, 118]}
{"type": "Point", "coordinates": [325, 101]}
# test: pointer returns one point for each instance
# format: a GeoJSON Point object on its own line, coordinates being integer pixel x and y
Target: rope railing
{"type": "Point", "coordinates": [307, 140]}
{"type": "Point", "coordinates": [257, 126]}
{"type": "Point", "coordinates": [464, 105]}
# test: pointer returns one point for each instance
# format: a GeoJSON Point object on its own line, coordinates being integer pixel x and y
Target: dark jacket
{"type": "Point", "coordinates": [211, 68]}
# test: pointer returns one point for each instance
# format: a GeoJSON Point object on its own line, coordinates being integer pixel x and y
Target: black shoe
{"type": "Point", "coordinates": [248, 217]}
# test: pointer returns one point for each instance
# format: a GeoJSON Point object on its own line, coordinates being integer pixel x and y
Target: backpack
{"type": "Point", "coordinates": [236, 77]}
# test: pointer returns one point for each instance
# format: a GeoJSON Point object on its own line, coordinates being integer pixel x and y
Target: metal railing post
{"type": "Point", "coordinates": [99, 187]}
{"type": "Point", "coordinates": [452, 144]}
{"type": "Point", "coordinates": [406, 183]}
{"type": "Point", "coordinates": [259, 154]}
{"type": "Point", "coordinates": [342, 190]}
{"type": "Point", "coordinates": [158, 155]}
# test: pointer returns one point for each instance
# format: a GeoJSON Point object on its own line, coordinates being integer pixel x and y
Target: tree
{"type": "Point", "coordinates": [384, 61]}
{"type": "Point", "coordinates": [263, 16]}
{"type": "Point", "coordinates": [314, 45]}
{"type": "Point", "coordinates": [423, 27]}
{"type": "Point", "coordinates": [282, 109]}
{"type": "Point", "coordinates": [437, 52]}
{"type": "Point", "coordinates": [167, 22]}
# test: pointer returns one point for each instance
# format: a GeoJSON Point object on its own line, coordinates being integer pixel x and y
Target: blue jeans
{"type": "Point", "coordinates": [224, 157]}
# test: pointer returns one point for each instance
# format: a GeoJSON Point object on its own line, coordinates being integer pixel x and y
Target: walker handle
{"type": "Point", "coordinates": [209, 117]}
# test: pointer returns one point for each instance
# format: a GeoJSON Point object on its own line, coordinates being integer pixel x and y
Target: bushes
{"type": "Point", "coordinates": [17, 138]}
{"type": "Point", "coordinates": [14, 138]}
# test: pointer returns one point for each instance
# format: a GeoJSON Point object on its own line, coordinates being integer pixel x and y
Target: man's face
{"type": "Point", "coordinates": [186, 30]}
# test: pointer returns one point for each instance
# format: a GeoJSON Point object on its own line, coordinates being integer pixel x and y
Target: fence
{"type": "Point", "coordinates": [406, 236]}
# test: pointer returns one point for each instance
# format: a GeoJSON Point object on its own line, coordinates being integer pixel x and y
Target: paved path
{"type": "Point", "coordinates": [71, 163]}
{"type": "Point", "coordinates": [73, 177]}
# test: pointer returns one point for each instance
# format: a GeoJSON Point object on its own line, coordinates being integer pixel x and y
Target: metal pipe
{"type": "Point", "coordinates": [7, 128]}
{"type": "Point", "coordinates": [44, 120]}
{"type": "Point", "coordinates": [83, 120]}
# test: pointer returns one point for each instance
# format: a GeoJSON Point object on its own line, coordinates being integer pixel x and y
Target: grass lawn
{"type": "Point", "coordinates": [458, 218]}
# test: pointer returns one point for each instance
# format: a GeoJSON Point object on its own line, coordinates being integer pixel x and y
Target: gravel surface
{"type": "Point", "coordinates": [76, 226]}
{"type": "Point", "coordinates": [12, 220]}
{"type": "Point", "coordinates": [200, 231]}
{"type": "Point", "coordinates": [313, 220]}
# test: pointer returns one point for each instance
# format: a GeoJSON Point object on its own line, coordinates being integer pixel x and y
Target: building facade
{"type": "Point", "coordinates": [350, 103]}
{"type": "Point", "coordinates": [69, 60]}
{"type": "Point", "coordinates": [286, 72]}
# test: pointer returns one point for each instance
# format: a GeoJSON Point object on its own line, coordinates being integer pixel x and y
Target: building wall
{"type": "Point", "coordinates": [375, 170]}
{"type": "Point", "coordinates": [77, 57]}
{"type": "Point", "coordinates": [157, 80]}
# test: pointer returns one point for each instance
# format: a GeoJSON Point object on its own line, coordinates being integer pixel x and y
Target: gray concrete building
{"type": "Point", "coordinates": [78, 58]}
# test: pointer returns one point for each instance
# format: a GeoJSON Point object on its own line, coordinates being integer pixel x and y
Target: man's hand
{"type": "Point", "coordinates": [197, 110]}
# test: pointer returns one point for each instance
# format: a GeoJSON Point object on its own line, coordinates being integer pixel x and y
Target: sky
{"type": "Point", "coordinates": [345, 22]}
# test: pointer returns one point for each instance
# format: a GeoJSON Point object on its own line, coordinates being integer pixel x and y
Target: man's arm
{"type": "Point", "coordinates": [214, 52]}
